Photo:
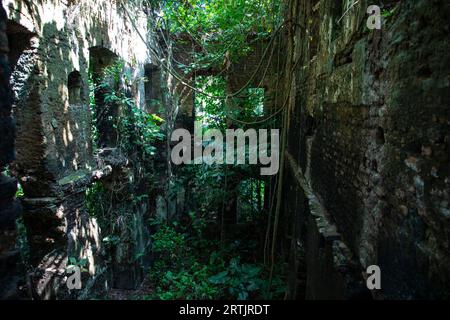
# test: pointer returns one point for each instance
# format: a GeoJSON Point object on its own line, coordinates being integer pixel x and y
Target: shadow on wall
{"type": "Point", "coordinates": [54, 147]}
{"type": "Point", "coordinates": [10, 273]}
{"type": "Point", "coordinates": [54, 151]}
{"type": "Point", "coordinates": [106, 114]}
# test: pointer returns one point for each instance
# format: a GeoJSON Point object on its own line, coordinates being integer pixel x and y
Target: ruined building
{"type": "Point", "coordinates": [365, 177]}
{"type": "Point", "coordinates": [52, 45]}
{"type": "Point", "coordinates": [368, 148]}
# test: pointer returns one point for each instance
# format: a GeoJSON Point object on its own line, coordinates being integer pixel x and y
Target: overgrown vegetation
{"type": "Point", "coordinates": [203, 253]}
{"type": "Point", "coordinates": [223, 30]}
{"type": "Point", "coordinates": [136, 129]}
{"type": "Point", "coordinates": [190, 266]}
{"type": "Point", "coordinates": [21, 237]}
{"type": "Point", "coordinates": [136, 133]}
{"type": "Point", "coordinates": [199, 253]}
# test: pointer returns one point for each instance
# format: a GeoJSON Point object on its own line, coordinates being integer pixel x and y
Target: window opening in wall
{"type": "Point", "coordinates": [337, 10]}
{"type": "Point", "coordinates": [21, 59]}
{"type": "Point", "coordinates": [255, 99]}
{"type": "Point", "coordinates": [104, 114]}
{"type": "Point", "coordinates": [19, 39]}
{"type": "Point", "coordinates": [211, 112]}
{"type": "Point", "coordinates": [153, 89]}
{"type": "Point", "coordinates": [74, 85]}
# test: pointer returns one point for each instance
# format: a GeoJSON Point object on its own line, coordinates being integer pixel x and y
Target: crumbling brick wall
{"type": "Point", "coordinates": [9, 207]}
{"type": "Point", "coordinates": [51, 54]}
{"type": "Point", "coordinates": [370, 136]}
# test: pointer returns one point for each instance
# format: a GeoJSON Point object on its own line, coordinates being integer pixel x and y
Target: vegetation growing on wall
{"type": "Point", "coordinates": [222, 30]}
{"type": "Point", "coordinates": [202, 253]}
{"type": "Point", "coordinates": [137, 130]}
{"type": "Point", "coordinates": [189, 265]}
{"type": "Point", "coordinates": [212, 247]}
{"type": "Point", "coordinates": [359, 191]}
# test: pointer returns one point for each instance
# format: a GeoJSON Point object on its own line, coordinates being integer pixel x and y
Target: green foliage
{"type": "Point", "coordinates": [205, 184]}
{"type": "Point", "coordinates": [137, 130]}
{"type": "Point", "coordinates": [22, 242]}
{"type": "Point", "coordinates": [221, 27]}
{"type": "Point", "coordinates": [243, 281]}
{"type": "Point", "coordinates": [240, 280]}
{"type": "Point", "coordinates": [211, 112]}
{"type": "Point", "coordinates": [93, 108]}
{"type": "Point", "coordinates": [21, 237]}
{"type": "Point", "coordinates": [188, 267]}
{"type": "Point", "coordinates": [190, 283]}
{"type": "Point", "coordinates": [169, 246]}
{"type": "Point", "coordinates": [253, 103]}
{"type": "Point", "coordinates": [176, 271]}
{"type": "Point", "coordinates": [19, 193]}
{"type": "Point", "coordinates": [388, 12]}
{"type": "Point", "coordinates": [138, 127]}
{"type": "Point", "coordinates": [81, 263]}
{"type": "Point", "coordinates": [251, 200]}
{"type": "Point", "coordinates": [96, 200]}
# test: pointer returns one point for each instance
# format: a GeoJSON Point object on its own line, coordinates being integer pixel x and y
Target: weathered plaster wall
{"type": "Point", "coordinates": [55, 161]}
{"type": "Point", "coordinates": [370, 134]}
{"type": "Point", "coordinates": [64, 35]}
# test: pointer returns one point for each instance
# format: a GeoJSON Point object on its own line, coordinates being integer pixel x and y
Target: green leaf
{"type": "Point", "coordinates": [243, 295]}
{"type": "Point", "coordinates": [219, 278]}
{"type": "Point", "coordinates": [83, 262]}
{"type": "Point", "coordinates": [253, 285]}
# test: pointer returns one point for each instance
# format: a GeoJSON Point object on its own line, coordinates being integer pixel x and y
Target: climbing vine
{"type": "Point", "coordinates": [221, 29]}
{"type": "Point", "coordinates": [219, 33]}
{"type": "Point", "coordinates": [191, 261]}
{"type": "Point", "coordinates": [136, 128]}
